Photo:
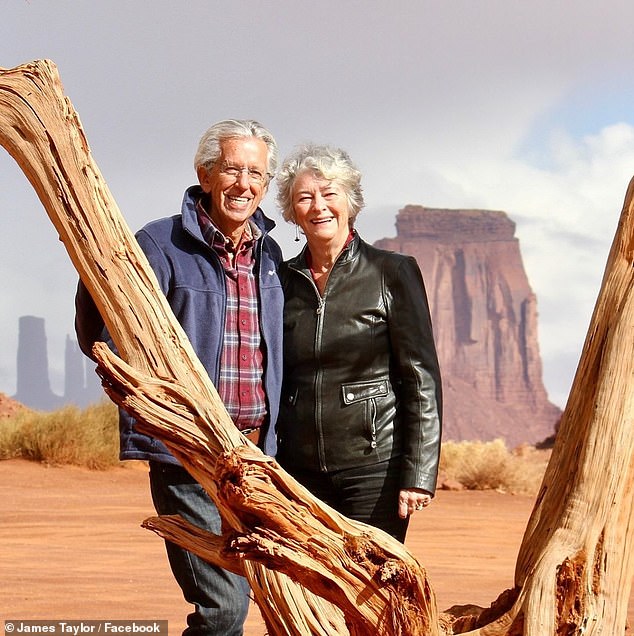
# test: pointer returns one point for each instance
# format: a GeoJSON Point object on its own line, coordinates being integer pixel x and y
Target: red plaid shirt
{"type": "Point", "coordinates": [241, 366]}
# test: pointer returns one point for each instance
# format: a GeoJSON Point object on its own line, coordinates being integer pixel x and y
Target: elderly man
{"type": "Point", "coordinates": [217, 266]}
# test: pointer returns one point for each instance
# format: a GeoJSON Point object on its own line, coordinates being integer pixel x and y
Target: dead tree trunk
{"type": "Point", "coordinates": [575, 565]}
{"type": "Point", "coordinates": [273, 526]}
{"type": "Point", "coordinates": [574, 569]}
{"type": "Point", "coordinates": [580, 568]}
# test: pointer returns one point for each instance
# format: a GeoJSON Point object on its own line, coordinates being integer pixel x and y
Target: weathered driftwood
{"type": "Point", "coordinates": [273, 526]}
{"type": "Point", "coordinates": [574, 569]}
{"type": "Point", "coordinates": [576, 555]}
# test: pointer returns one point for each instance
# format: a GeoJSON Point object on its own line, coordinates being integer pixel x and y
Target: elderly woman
{"type": "Point", "coordinates": [360, 414]}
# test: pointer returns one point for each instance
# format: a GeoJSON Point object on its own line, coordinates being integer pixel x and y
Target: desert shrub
{"type": "Point", "coordinates": [90, 437]}
{"type": "Point", "coordinates": [491, 466]}
{"type": "Point", "coordinates": [82, 437]}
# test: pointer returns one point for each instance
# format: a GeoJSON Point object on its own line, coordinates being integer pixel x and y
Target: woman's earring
{"type": "Point", "coordinates": [296, 233]}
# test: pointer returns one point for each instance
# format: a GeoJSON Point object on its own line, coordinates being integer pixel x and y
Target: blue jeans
{"type": "Point", "coordinates": [220, 598]}
{"type": "Point", "coordinates": [368, 493]}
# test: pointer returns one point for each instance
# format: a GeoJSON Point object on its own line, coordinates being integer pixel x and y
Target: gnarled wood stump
{"type": "Point", "coordinates": [313, 571]}
{"type": "Point", "coordinates": [273, 526]}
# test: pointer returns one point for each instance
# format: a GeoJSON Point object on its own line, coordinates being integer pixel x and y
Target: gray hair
{"type": "Point", "coordinates": [209, 145]}
{"type": "Point", "coordinates": [332, 164]}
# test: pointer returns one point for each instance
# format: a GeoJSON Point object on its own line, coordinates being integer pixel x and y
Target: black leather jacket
{"type": "Point", "coordinates": [361, 378]}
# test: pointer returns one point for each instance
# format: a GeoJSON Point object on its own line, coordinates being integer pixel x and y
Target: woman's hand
{"type": "Point", "coordinates": [411, 500]}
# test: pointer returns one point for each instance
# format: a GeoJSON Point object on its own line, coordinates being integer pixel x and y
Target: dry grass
{"type": "Point", "coordinates": [90, 438]}
{"type": "Point", "coordinates": [491, 466]}
{"type": "Point", "coordinates": [81, 437]}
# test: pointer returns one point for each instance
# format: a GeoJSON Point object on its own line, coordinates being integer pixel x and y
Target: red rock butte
{"type": "Point", "coordinates": [485, 323]}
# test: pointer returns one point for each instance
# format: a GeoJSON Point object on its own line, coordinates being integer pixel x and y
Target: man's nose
{"type": "Point", "coordinates": [243, 178]}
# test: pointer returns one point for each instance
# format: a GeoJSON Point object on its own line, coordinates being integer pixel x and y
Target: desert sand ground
{"type": "Point", "coordinates": [71, 547]}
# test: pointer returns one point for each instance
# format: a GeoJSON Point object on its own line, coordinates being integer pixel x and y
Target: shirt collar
{"type": "Point", "coordinates": [214, 236]}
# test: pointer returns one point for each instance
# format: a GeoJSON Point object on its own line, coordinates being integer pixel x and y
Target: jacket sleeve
{"type": "Point", "coordinates": [156, 257]}
{"type": "Point", "coordinates": [419, 389]}
{"type": "Point", "coordinates": [89, 325]}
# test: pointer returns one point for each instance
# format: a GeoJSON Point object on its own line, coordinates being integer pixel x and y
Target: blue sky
{"type": "Point", "coordinates": [524, 107]}
{"type": "Point", "coordinates": [582, 111]}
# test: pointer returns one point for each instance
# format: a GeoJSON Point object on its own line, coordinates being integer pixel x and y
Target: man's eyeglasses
{"type": "Point", "coordinates": [255, 176]}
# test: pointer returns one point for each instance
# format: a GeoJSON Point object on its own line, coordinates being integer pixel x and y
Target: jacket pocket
{"type": "Point", "coordinates": [289, 396]}
{"type": "Point", "coordinates": [367, 393]}
{"type": "Point", "coordinates": [358, 391]}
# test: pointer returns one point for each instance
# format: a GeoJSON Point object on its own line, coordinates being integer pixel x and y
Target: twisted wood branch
{"type": "Point", "coordinates": [288, 544]}
{"type": "Point", "coordinates": [313, 571]}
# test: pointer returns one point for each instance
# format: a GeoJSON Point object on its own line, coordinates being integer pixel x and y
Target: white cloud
{"type": "Point", "coordinates": [433, 101]}
{"type": "Point", "coordinates": [566, 215]}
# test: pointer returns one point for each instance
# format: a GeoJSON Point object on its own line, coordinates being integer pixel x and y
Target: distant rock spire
{"type": "Point", "coordinates": [81, 384]}
{"type": "Point", "coordinates": [75, 372]}
{"type": "Point", "coordinates": [33, 384]}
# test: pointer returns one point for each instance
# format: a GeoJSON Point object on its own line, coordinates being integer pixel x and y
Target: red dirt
{"type": "Point", "coordinates": [8, 406]}
{"type": "Point", "coordinates": [72, 548]}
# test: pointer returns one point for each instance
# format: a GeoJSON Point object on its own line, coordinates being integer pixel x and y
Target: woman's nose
{"type": "Point", "coordinates": [319, 203]}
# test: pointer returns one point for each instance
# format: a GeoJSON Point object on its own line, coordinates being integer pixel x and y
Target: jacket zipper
{"type": "Point", "coordinates": [319, 326]}
{"type": "Point", "coordinates": [319, 329]}
{"type": "Point", "coordinates": [373, 409]}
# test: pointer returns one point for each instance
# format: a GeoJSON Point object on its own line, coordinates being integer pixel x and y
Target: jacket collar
{"type": "Point", "coordinates": [190, 216]}
{"type": "Point", "coordinates": [348, 254]}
